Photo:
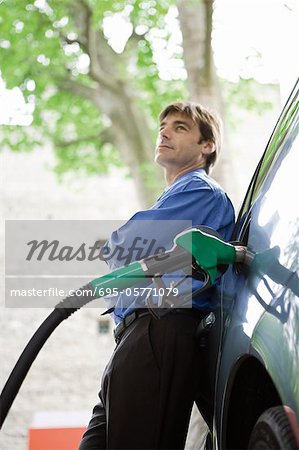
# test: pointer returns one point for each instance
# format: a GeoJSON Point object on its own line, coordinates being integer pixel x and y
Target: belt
{"type": "Point", "coordinates": [127, 321]}
{"type": "Point", "coordinates": [130, 318]}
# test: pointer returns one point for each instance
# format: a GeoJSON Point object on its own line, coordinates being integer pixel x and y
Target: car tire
{"type": "Point", "coordinates": [272, 431]}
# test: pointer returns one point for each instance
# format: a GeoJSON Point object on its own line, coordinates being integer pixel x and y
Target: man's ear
{"type": "Point", "coordinates": [208, 147]}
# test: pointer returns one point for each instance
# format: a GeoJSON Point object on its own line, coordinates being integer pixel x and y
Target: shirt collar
{"type": "Point", "coordinates": [184, 176]}
{"type": "Point", "coordinates": [187, 175]}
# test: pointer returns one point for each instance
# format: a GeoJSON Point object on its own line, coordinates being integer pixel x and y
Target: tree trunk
{"type": "Point", "coordinates": [195, 19]}
{"type": "Point", "coordinates": [132, 137]}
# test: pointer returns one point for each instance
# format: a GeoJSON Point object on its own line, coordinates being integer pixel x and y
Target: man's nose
{"type": "Point", "coordinates": [165, 132]}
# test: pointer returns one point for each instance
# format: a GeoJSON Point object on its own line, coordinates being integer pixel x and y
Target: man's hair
{"type": "Point", "coordinates": [209, 124]}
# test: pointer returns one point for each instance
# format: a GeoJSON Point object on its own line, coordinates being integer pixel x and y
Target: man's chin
{"type": "Point", "coordinates": [162, 160]}
{"type": "Point", "coordinates": [158, 158]}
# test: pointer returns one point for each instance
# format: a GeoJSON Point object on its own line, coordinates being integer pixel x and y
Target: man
{"type": "Point", "coordinates": [155, 372]}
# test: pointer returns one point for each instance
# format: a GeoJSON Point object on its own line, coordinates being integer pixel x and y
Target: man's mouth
{"type": "Point", "coordinates": [165, 145]}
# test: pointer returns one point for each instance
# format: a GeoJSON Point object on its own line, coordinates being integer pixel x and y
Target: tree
{"type": "Point", "coordinates": [99, 105]}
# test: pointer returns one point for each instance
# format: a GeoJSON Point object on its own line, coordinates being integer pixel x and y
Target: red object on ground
{"type": "Point", "coordinates": [57, 430]}
{"type": "Point", "coordinates": [55, 438]}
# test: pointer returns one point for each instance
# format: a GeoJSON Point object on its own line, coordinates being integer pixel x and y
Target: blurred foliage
{"type": "Point", "coordinates": [40, 41]}
{"type": "Point", "coordinates": [247, 95]}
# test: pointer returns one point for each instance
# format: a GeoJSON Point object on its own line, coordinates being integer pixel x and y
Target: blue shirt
{"type": "Point", "coordinates": [192, 197]}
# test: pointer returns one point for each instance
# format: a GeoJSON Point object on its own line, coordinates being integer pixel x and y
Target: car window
{"type": "Point", "coordinates": [274, 229]}
{"type": "Point", "coordinates": [276, 144]}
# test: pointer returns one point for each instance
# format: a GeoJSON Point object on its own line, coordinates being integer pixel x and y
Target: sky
{"type": "Point", "coordinates": [251, 38]}
{"type": "Point", "coordinates": [259, 37]}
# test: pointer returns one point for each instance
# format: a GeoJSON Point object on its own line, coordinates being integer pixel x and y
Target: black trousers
{"type": "Point", "coordinates": [149, 386]}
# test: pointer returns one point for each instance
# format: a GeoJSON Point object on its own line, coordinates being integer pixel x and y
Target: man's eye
{"type": "Point", "coordinates": [181, 127]}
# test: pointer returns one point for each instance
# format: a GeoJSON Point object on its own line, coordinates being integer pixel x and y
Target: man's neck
{"type": "Point", "coordinates": [172, 176]}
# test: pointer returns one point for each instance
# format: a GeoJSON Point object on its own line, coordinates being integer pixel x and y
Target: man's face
{"type": "Point", "coordinates": [178, 143]}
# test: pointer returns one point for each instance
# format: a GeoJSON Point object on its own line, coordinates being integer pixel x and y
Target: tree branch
{"type": "Point", "coordinates": [65, 144]}
{"type": "Point", "coordinates": [94, 41]}
{"type": "Point", "coordinates": [80, 89]}
{"type": "Point", "coordinates": [73, 41]}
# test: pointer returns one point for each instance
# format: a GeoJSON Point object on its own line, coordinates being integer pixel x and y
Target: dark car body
{"type": "Point", "coordinates": [257, 364]}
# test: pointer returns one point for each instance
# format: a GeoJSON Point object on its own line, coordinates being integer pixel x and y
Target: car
{"type": "Point", "coordinates": [253, 349]}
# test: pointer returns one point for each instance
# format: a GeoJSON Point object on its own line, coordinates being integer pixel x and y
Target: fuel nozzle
{"type": "Point", "coordinates": [243, 255]}
{"type": "Point", "coordinates": [211, 253]}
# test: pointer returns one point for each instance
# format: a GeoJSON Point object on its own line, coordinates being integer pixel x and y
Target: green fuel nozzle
{"type": "Point", "coordinates": [207, 250]}
{"type": "Point", "coordinates": [210, 251]}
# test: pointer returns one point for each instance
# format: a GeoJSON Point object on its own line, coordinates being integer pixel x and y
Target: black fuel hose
{"type": "Point", "coordinates": [62, 311]}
